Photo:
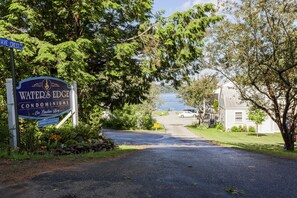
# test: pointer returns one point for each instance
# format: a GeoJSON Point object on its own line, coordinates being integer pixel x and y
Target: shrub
{"type": "Point", "coordinates": [220, 127]}
{"type": "Point", "coordinates": [198, 125]}
{"type": "Point", "coordinates": [239, 129]}
{"type": "Point", "coordinates": [4, 136]}
{"type": "Point", "coordinates": [234, 129]}
{"type": "Point", "coordinates": [130, 117]}
{"type": "Point", "coordinates": [4, 132]}
{"type": "Point", "coordinates": [146, 122]}
{"type": "Point", "coordinates": [67, 140]}
{"type": "Point", "coordinates": [242, 128]}
{"type": "Point", "coordinates": [95, 118]}
{"type": "Point", "coordinates": [252, 129]}
{"type": "Point", "coordinates": [29, 135]}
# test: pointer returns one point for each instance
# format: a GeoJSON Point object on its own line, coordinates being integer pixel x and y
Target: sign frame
{"type": "Point", "coordinates": [13, 117]}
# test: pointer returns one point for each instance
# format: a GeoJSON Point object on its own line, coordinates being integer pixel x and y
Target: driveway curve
{"type": "Point", "coordinates": [174, 164]}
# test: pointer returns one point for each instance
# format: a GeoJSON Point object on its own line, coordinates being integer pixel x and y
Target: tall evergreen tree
{"type": "Point", "coordinates": [103, 45]}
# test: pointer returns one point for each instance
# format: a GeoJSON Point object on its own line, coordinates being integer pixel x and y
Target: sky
{"type": "Point", "coordinates": [171, 6]}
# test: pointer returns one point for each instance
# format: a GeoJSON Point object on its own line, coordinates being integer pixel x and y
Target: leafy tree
{"type": "Point", "coordinates": [256, 48]}
{"type": "Point", "coordinates": [173, 46]}
{"type": "Point", "coordinates": [257, 116]}
{"type": "Point", "coordinates": [133, 116]}
{"type": "Point", "coordinates": [111, 48]}
{"type": "Point", "coordinates": [200, 94]}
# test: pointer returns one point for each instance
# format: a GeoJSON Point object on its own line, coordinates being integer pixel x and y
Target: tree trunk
{"type": "Point", "coordinates": [289, 141]}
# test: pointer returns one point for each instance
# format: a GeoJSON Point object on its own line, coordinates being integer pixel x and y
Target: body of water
{"type": "Point", "coordinates": [170, 101]}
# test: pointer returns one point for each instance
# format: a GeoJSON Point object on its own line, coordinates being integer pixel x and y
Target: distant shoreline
{"type": "Point", "coordinates": [170, 101]}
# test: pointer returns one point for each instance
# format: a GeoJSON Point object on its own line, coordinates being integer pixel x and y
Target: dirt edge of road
{"type": "Point", "coordinates": [13, 172]}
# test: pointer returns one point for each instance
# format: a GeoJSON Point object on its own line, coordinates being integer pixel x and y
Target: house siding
{"type": "Point", "coordinates": [229, 104]}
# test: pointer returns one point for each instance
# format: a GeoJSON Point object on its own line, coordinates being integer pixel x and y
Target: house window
{"type": "Point", "coordinates": [238, 116]}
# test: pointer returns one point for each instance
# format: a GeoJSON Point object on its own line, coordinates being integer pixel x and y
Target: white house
{"type": "Point", "coordinates": [234, 112]}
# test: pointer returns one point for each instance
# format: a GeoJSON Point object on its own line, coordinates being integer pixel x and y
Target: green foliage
{"type": "Point", "coordinates": [95, 118]}
{"type": "Point", "coordinates": [199, 94]}
{"type": "Point", "coordinates": [103, 46]}
{"type": "Point", "coordinates": [257, 116]}
{"type": "Point", "coordinates": [256, 48]}
{"type": "Point", "coordinates": [4, 133]}
{"type": "Point", "coordinates": [203, 88]}
{"type": "Point", "coordinates": [201, 126]}
{"type": "Point", "coordinates": [251, 129]}
{"type": "Point", "coordinates": [130, 117]}
{"type": "Point", "coordinates": [111, 48]}
{"type": "Point", "coordinates": [176, 42]}
{"type": "Point", "coordinates": [220, 127]}
{"type": "Point", "coordinates": [29, 136]}
{"type": "Point", "coordinates": [239, 129]}
{"type": "Point", "coordinates": [234, 129]}
{"type": "Point", "coordinates": [135, 116]}
{"type": "Point", "coordinates": [4, 136]}
{"type": "Point", "coordinates": [53, 137]}
{"type": "Point", "coordinates": [146, 121]}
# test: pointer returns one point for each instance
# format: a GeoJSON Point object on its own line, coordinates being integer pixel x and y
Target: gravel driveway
{"type": "Point", "coordinates": [174, 164]}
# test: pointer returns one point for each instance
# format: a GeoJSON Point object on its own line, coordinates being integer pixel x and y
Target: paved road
{"type": "Point", "coordinates": [177, 164]}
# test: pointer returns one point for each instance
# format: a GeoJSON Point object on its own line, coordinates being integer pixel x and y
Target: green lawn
{"type": "Point", "coordinates": [160, 113]}
{"type": "Point", "coordinates": [271, 144]}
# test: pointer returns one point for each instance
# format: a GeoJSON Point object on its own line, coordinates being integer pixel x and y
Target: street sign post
{"type": "Point", "coordinates": [13, 129]}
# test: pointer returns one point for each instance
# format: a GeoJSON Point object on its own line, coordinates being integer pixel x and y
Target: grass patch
{"type": "Point", "coordinates": [271, 144]}
{"type": "Point", "coordinates": [160, 113]}
{"type": "Point", "coordinates": [153, 130]}
{"type": "Point", "coordinates": [121, 150]}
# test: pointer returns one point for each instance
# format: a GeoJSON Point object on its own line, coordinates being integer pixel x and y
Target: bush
{"type": "Point", "coordinates": [198, 125]}
{"type": "Point", "coordinates": [146, 122]}
{"type": "Point", "coordinates": [4, 136]}
{"type": "Point", "coordinates": [29, 135]}
{"type": "Point", "coordinates": [95, 118]}
{"type": "Point", "coordinates": [54, 138]}
{"type": "Point", "coordinates": [239, 129]}
{"type": "Point", "coordinates": [252, 129]}
{"type": "Point", "coordinates": [130, 117]}
{"type": "Point", "coordinates": [242, 128]}
{"type": "Point", "coordinates": [234, 129]}
{"type": "Point", "coordinates": [220, 127]}
{"type": "Point", "coordinates": [67, 140]}
{"type": "Point", "coordinates": [4, 131]}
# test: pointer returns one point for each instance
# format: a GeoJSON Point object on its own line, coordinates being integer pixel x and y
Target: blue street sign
{"type": "Point", "coordinates": [12, 44]}
{"type": "Point", "coordinates": [46, 122]}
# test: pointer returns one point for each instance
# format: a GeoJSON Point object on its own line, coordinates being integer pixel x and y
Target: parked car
{"type": "Point", "coordinates": [187, 114]}
{"type": "Point", "coordinates": [192, 110]}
